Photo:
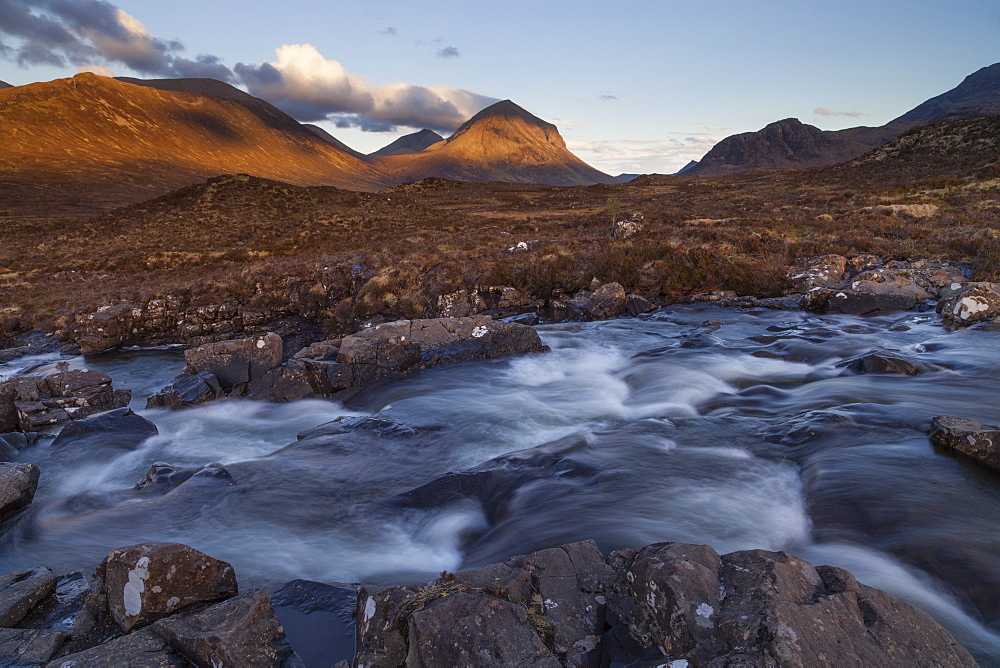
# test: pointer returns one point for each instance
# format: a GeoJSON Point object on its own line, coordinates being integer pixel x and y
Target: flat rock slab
{"type": "Point", "coordinates": [243, 631]}
{"type": "Point", "coordinates": [149, 581]}
{"type": "Point", "coordinates": [20, 592]}
{"type": "Point", "coordinates": [237, 361]}
{"type": "Point", "coordinates": [142, 649]}
{"type": "Point", "coordinates": [25, 647]}
{"type": "Point", "coordinates": [969, 437]}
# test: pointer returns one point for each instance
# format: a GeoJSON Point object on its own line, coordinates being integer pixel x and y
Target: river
{"type": "Point", "coordinates": [731, 427]}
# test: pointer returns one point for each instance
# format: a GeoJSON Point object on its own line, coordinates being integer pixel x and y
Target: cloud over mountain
{"type": "Point", "coordinates": [93, 32]}
{"type": "Point", "coordinates": [311, 87]}
{"type": "Point", "coordinates": [96, 34]}
{"type": "Point", "coordinates": [826, 111]}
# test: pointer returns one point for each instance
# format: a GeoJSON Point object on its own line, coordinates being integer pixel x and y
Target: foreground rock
{"type": "Point", "coordinates": [970, 304]}
{"type": "Point", "coordinates": [31, 404]}
{"type": "Point", "coordinates": [18, 483]}
{"type": "Point", "coordinates": [605, 302]}
{"type": "Point", "coordinates": [145, 582]}
{"type": "Point", "coordinates": [884, 363]}
{"type": "Point", "coordinates": [969, 437]}
{"type": "Point", "coordinates": [669, 602]}
{"type": "Point", "coordinates": [337, 367]}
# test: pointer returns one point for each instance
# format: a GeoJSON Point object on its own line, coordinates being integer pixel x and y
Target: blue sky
{"type": "Point", "coordinates": [639, 86]}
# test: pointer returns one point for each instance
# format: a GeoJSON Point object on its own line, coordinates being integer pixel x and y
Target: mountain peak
{"type": "Point", "coordinates": [4, 84]}
{"type": "Point", "coordinates": [411, 143]}
{"type": "Point", "coordinates": [508, 121]}
{"type": "Point", "coordinates": [977, 95]}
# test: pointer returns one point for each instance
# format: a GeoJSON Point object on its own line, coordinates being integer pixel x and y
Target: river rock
{"type": "Point", "coordinates": [884, 363]}
{"type": "Point", "coordinates": [670, 604]}
{"type": "Point", "coordinates": [149, 581]}
{"type": "Point", "coordinates": [31, 404]}
{"type": "Point", "coordinates": [121, 429]}
{"type": "Point", "coordinates": [18, 483]}
{"type": "Point", "coordinates": [163, 477]}
{"type": "Point", "coordinates": [812, 272]}
{"type": "Point", "coordinates": [969, 437]}
{"type": "Point", "coordinates": [870, 299]}
{"type": "Point", "coordinates": [107, 328]}
{"type": "Point", "coordinates": [187, 391]}
{"type": "Point", "coordinates": [29, 647]}
{"type": "Point", "coordinates": [236, 361]}
{"type": "Point", "coordinates": [20, 592]}
{"type": "Point", "coordinates": [970, 304]}
{"type": "Point", "coordinates": [140, 649]}
{"type": "Point", "coordinates": [242, 631]}
{"type": "Point", "coordinates": [11, 444]}
{"type": "Point", "coordinates": [606, 301]}
{"type": "Point", "coordinates": [63, 609]}
{"type": "Point", "coordinates": [636, 305]}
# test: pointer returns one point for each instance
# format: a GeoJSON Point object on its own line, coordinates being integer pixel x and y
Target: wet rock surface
{"type": "Point", "coordinates": [971, 304]}
{"type": "Point", "coordinates": [121, 428]}
{"type": "Point", "coordinates": [885, 363]}
{"type": "Point", "coordinates": [969, 437]}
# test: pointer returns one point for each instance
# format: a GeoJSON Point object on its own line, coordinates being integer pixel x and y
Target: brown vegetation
{"type": "Point", "coordinates": [339, 257]}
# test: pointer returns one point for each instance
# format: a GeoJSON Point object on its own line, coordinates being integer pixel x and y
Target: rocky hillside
{"type": "Point", "coordinates": [790, 144]}
{"type": "Point", "coordinates": [411, 143]}
{"type": "Point", "coordinates": [89, 143]}
{"type": "Point", "coordinates": [501, 143]}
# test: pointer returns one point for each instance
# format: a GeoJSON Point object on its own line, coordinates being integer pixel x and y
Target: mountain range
{"type": "Point", "coordinates": [789, 143]}
{"type": "Point", "coordinates": [83, 145]}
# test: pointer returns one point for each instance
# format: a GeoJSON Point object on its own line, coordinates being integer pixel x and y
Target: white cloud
{"type": "Point", "coordinates": [311, 87]}
{"type": "Point", "coordinates": [826, 111]}
{"type": "Point", "coordinates": [103, 70]}
{"type": "Point", "coordinates": [643, 156]}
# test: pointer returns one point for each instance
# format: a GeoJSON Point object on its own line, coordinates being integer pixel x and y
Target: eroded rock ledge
{"type": "Point", "coordinates": [671, 604]}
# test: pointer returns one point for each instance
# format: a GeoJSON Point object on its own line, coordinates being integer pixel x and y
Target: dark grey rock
{"type": "Point", "coordinates": [62, 609]}
{"type": "Point", "coordinates": [141, 649]}
{"type": "Point", "coordinates": [969, 437]}
{"type": "Point", "coordinates": [242, 631]}
{"type": "Point", "coordinates": [18, 483]}
{"type": "Point", "coordinates": [28, 647]}
{"type": "Point", "coordinates": [236, 361]}
{"type": "Point", "coordinates": [163, 477]}
{"type": "Point", "coordinates": [120, 428]}
{"type": "Point", "coordinates": [20, 592]}
{"type": "Point", "coordinates": [884, 363]}
{"type": "Point", "coordinates": [187, 391]}
{"type": "Point", "coordinates": [637, 305]}
{"type": "Point", "coordinates": [149, 581]}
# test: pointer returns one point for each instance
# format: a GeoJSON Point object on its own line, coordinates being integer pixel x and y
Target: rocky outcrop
{"type": "Point", "coordinates": [968, 437]}
{"type": "Point", "coordinates": [864, 286]}
{"type": "Point", "coordinates": [31, 403]}
{"type": "Point", "coordinates": [971, 303]}
{"type": "Point", "coordinates": [463, 303]}
{"type": "Point", "coordinates": [237, 361]}
{"type": "Point", "coordinates": [149, 581]}
{"type": "Point", "coordinates": [667, 604]}
{"type": "Point", "coordinates": [334, 367]}
{"type": "Point", "coordinates": [18, 483]}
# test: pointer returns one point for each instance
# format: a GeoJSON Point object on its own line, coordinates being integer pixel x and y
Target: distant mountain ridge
{"type": "Point", "coordinates": [4, 84]}
{"type": "Point", "coordinates": [503, 142]}
{"type": "Point", "coordinates": [411, 143]}
{"type": "Point", "coordinates": [789, 143]}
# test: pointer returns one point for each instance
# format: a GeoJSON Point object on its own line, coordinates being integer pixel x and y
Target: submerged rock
{"type": "Point", "coordinates": [121, 429]}
{"type": "Point", "coordinates": [969, 437]}
{"type": "Point", "coordinates": [187, 391]}
{"type": "Point", "coordinates": [884, 363]}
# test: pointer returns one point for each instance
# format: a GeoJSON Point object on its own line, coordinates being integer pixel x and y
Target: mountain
{"type": "Point", "coordinates": [977, 95]}
{"type": "Point", "coordinates": [792, 144]}
{"type": "Point", "coordinates": [86, 144]}
{"type": "Point", "coordinates": [503, 142]}
{"type": "Point", "coordinates": [686, 168]}
{"type": "Point", "coordinates": [4, 84]}
{"type": "Point", "coordinates": [411, 143]}
{"type": "Point", "coordinates": [330, 139]}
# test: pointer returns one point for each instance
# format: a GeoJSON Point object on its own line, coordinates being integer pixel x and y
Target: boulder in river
{"type": "Point", "coordinates": [236, 361]}
{"type": "Point", "coordinates": [969, 437]}
{"type": "Point", "coordinates": [187, 391]}
{"type": "Point", "coordinates": [605, 302]}
{"type": "Point", "coordinates": [18, 483]}
{"type": "Point", "coordinates": [884, 363]}
{"type": "Point", "coordinates": [149, 581]}
{"type": "Point", "coordinates": [120, 428]}
{"type": "Point", "coordinates": [31, 403]}
{"type": "Point", "coordinates": [971, 303]}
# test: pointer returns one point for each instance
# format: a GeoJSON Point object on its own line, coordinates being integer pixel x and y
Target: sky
{"type": "Point", "coordinates": [635, 87]}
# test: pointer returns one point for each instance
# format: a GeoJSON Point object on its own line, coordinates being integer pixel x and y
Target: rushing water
{"type": "Point", "coordinates": [740, 434]}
